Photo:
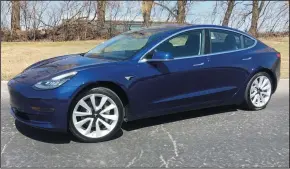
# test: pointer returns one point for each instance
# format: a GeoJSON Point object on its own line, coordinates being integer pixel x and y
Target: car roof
{"type": "Point", "coordinates": [173, 28]}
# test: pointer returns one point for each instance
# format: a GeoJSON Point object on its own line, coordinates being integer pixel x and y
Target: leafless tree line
{"type": "Point", "coordinates": [80, 20]}
{"type": "Point", "coordinates": [262, 16]}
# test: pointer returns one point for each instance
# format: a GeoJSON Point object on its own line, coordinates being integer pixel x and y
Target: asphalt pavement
{"type": "Point", "coordinates": [215, 137]}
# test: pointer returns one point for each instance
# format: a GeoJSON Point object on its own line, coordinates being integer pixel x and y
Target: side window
{"type": "Point", "coordinates": [179, 41]}
{"type": "Point", "coordinates": [248, 42]}
{"type": "Point", "coordinates": [222, 40]}
{"type": "Point", "coordinates": [184, 44]}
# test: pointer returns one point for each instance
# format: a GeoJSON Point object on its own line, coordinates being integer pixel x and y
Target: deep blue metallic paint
{"type": "Point", "coordinates": [156, 88]}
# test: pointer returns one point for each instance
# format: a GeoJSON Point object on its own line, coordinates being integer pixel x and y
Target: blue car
{"type": "Point", "coordinates": [144, 73]}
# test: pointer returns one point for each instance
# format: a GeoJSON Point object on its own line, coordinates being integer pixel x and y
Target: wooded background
{"type": "Point", "coordinates": [85, 20]}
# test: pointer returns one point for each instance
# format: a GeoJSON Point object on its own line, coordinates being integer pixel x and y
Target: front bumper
{"type": "Point", "coordinates": [47, 109]}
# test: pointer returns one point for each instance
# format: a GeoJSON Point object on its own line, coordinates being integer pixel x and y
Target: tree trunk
{"type": "Point", "coordinates": [228, 13]}
{"type": "Point", "coordinates": [15, 17]}
{"type": "Point", "coordinates": [181, 11]}
{"type": "Point", "coordinates": [146, 11]}
{"type": "Point", "coordinates": [101, 12]}
{"type": "Point", "coordinates": [255, 17]}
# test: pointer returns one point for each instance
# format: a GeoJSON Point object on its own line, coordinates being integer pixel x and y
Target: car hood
{"type": "Point", "coordinates": [50, 67]}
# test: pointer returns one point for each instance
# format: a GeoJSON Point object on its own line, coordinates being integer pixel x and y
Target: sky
{"type": "Point", "coordinates": [198, 8]}
{"type": "Point", "coordinates": [200, 12]}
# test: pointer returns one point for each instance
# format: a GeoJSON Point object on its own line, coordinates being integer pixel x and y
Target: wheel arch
{"type": "Point", "coordinates": [271, 74]}
{"type": "Point", "coordinates": [120, 91]}
{"type": "Point", "coordinates": [239, 96]}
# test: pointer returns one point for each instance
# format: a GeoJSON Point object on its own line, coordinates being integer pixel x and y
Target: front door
{"type": "Point", "coordinates": [176, 84]}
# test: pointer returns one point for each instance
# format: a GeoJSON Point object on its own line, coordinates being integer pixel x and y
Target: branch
{"type": "Point", "coordinates": [264, 9]}
{"type": "Point", "coordinates": [79, 11]}
{"type": "Point", "coordinates": [169, 10]}
{"type": "Point", "coordinates": [261, 6]}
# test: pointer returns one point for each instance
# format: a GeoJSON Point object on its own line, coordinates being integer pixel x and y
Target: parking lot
{"type": "Point", "coordinates": [215, 137]}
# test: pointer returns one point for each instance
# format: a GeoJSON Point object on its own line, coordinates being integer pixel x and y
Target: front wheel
{"type": "Point", "coordinates": [96, 115]}
{"type": "Point", "coordinates": [258, 92]}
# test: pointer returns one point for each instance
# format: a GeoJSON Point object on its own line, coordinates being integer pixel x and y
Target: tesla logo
{"type": "Point", "coordinates": [128, 77]}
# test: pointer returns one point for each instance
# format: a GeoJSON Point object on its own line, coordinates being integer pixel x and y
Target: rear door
{"type": "Point", "coordinates": [229, 62]}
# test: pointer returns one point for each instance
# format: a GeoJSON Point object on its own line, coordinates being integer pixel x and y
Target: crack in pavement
{"type": "Point", "coordinates": [134, 159]}
{"type": "Point", "coordinates": [166, 163]}
{"type": "Point", "coordinates": [4, 147]}
{"type": "Point", "coordinates": [172, 140]}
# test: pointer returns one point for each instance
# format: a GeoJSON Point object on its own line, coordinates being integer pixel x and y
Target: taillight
{"type": "Point", "coordinates": [278, 55]}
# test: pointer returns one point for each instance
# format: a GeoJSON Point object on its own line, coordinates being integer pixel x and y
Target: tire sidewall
{"type": "Point", "coordinates": [249, 103]}
{"type": "Point", "coordinates": [114, 97]}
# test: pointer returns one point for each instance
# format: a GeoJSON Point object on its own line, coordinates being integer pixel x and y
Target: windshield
{"type": "Point", "coordinates": [122, 46]}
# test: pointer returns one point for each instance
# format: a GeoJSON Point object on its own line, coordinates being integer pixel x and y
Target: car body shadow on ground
{"type": "Point", "coordinates": [50, 136]}
{"type": "Point", "coordinates": [148, 122]}
{"type": "Point", "coordinates": [65, 138]}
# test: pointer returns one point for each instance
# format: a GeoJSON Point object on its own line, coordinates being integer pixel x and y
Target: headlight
{"type": "Point", "coordinates": [55, 82]}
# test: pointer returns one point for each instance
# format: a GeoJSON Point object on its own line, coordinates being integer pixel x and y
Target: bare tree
{"type": "Point", "coordinates": [281, 14]}
{"type": "Point", "coordinates": [89, 10]}
{"type": "Point", "coordinates": [25, 17]}
{"type": "Point", "coordinates": [256, 10]}
{"type": "Point", "coordinates": [54, 15]}
{"type": "Point", "coordinates": [38, 11]}
{"type": "Point", "coordinates": [157, 12]}
{"type": "Point", "coordinates": [79, 20]}
{"type": "Point", "coordinates": [15, 17]}
{"type": "Point", "coordinates": [131, 14]}
{"type": "Point", "coordinates": [32, 13]}
{"type": "Point", "coordinates": [214, 12]}
{"type": "Point", "coordinates": [231, 4]}
{"type": "Point", "coordinates": [181, 11]}
{"type": "Point", "coordinates": [265, 14]}
{"type": "Point", "coordinates": [172, 11]}
{"type": "Point", "coordinates": [176, 12]}
{"type": "Point", "coordinates": [5, 14]}
{"type": "Point", "coordinates": [113, 10]}
{"type": "Point", "coordinates": [146, 11]}
{"type": "Point", "coordinates": [101, 12]}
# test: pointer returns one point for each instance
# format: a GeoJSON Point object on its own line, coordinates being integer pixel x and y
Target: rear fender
{"type": "Point", "coordinates": [238, 97]}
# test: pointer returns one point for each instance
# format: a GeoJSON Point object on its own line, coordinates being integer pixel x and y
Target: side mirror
{"type": "Point", "coordinates": [160, 56]}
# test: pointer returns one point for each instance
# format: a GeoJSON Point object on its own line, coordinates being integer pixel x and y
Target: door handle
{"type": "Point", "coordinates": [199, 64]}
{"type": "Point", "coordinates": [249, 58]}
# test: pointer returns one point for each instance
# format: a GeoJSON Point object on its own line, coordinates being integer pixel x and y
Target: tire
{"type": "Point", "coordinates": [90, 123]}
{"type": "Point", "coordinates": [262, 97]}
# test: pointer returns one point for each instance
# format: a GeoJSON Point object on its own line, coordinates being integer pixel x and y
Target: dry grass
{"type": "Point", "coordinates": [16, 56]}
{"type": "Point", "coordinates": [281, 45]}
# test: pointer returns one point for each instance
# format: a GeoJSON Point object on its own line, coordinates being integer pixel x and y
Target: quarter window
{"type": "Point", "coordinates": [248, 42]}
{"type": "Point", "coordinates": [222, 41]}
{"type": "Point", "coordinates": [184, 44]}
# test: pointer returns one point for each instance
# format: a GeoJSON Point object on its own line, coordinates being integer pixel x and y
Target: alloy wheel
{"type": "Point", "coordinates": [260, 91]}
{"type": "Point", "coordinates": [95, 115]}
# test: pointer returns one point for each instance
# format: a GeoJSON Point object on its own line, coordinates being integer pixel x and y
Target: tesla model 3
{"type": "Point", "coordinates": [144, 73]}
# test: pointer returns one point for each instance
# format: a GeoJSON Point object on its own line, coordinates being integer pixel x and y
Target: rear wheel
{"type": "Point", "coordinates": [96, 115]}
{"type": "Point", "coordinates": [258, 92]}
